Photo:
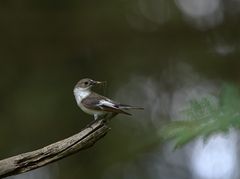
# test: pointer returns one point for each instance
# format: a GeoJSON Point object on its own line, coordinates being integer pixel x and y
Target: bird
{"type": "Point", "coordinates": [95, 104]}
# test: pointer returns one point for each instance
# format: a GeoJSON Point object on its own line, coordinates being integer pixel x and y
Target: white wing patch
{"type": "Point", "coordinates": [106, 103]}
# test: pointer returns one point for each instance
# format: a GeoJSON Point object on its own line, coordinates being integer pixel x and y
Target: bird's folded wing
{"type": "Point", "coordinates": [96, 103]}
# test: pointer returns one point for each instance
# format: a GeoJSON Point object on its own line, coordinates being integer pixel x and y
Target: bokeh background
{"type": "Point", "coordinates": [155, 53]}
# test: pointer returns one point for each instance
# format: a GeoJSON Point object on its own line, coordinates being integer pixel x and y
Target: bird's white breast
{"type": "Point", "coordinates": [80, 94]}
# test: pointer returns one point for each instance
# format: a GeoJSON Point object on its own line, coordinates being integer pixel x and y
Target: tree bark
{"type": "Point", "coordinates": [31, 160]}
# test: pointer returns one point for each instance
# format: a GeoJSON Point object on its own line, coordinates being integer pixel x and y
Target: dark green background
{"type": "Point", "coordinates": [47, 46]}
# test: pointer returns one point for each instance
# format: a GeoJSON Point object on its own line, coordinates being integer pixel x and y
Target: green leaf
{"type": "Point", "coordinates": [205, 117]}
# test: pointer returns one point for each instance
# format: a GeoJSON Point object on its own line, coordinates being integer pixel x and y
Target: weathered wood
{"type": "Point", "coordinates": [56, 151]}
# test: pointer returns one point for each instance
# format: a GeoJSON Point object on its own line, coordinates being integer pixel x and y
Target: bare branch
{"type": "Point", "coordinates": [56, 151]}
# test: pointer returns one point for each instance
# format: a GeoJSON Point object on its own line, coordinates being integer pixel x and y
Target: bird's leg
{"type": "Point", "coordinates": [96, 117]}
{"type": "Point", "coordinates": [103, 118]}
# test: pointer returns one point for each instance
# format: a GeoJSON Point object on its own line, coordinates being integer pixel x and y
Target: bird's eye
{"type": "Point", "coordinates": [86, 83]}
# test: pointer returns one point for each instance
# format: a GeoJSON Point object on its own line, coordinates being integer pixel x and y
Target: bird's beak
{"type": "Point", "coordinates": [97, 82]}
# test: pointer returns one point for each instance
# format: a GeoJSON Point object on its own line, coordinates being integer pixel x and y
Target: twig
{"type": "Point", "coordinates": [56, 151]}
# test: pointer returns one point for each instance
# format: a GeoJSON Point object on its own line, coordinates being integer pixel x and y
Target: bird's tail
{"type": "Point", "coordinates": [124, 106]}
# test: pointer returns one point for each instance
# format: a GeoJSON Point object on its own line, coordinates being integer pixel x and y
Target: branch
{"type": "Point", "coordinates": [56, 151]}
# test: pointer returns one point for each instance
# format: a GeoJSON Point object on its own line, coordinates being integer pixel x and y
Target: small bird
{"type": "Point", "coordinates": [97, 105]}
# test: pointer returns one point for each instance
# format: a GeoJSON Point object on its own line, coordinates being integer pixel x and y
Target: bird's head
{"type": "Point", "coordinates": [86, 84]}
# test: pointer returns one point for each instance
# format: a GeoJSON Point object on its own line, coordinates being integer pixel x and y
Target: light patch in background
{"type": "Point", "coordinates": [158, 11]}
{"type": "Point", "coordinates": [198, 8]}
{"type": "Point", "coordinates": [137, 21]}
{"type": "Point", "coordinates": [232, 7]}
{"type": "Point", "coordinates": [224, 49]}
{"type": "Point", "coordinates": [220, 45]}
{"type": "Point", "coordinates": [203, 14]}
{"type": "Point", "coordinates": [216, 158]}
{"type": "Point", "coordinates": [147, 15]}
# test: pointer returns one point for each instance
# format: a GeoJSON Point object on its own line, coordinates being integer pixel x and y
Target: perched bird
{"type": "Point", "coordinates": [97, 105]}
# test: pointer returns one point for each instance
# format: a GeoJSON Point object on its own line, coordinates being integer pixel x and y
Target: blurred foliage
{"type": "Point", "coordinates": [205, 118]}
